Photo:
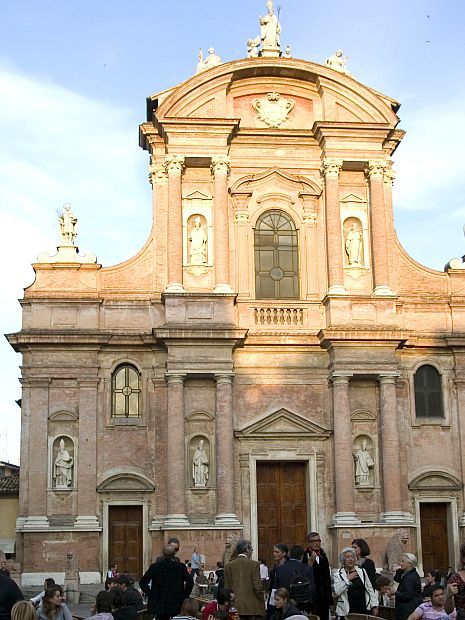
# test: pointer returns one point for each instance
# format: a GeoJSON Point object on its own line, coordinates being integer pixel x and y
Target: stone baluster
{"type": "Point", "coordinates": [175, 453]}
{"type": "Point", "coordinates": [343, 458]}
{"type": "Point", "coordinates": [175, 167]}
{"type": "Point", "coordinates": [389, 432]}
{"type": "Point", "coordinates": [225, 510]}
{"type": "Point", "coordinates": [375, 173]}
{"type": "Point", "coordinates": [330, 170]}
{"type": "Point", "coordinates": [220, 171]}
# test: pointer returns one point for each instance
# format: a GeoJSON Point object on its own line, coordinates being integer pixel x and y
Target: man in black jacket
{"type": "Point", "coordinates": [315, 557]}
{"type": "Point", "coordinates": [166, 583]}
{"type": "Point", "coordinates": [292, 571]}
{"type": "Point", "coordinates": [9, 595]}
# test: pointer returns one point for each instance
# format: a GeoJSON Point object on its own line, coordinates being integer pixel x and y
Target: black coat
{"type": "Point", "coordinates": [9, 595]}
{"type": "Point", "coordinates": [322, 577]}
{"type": "Point", "coordinates": [286, 572]}
{"type": "Point", "coordinates": [408, 594]}
{"type": "Point", "coordinates": [285, 612]}
{"type": "Point", "coordinates": [170, 585]}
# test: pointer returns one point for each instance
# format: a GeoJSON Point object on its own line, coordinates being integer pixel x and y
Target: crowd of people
{"type": "Point", "coordinates": [299, 585]}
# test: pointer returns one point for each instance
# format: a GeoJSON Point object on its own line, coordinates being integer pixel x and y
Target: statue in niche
{"type": "Point", "coordinates": [354, 246]}
{"type": "Point", "coordinates": [200, 466]}
{"type": "Point", "coordinates": [270, 28]}
{"type": "Point", "coordinates": [63, 468]}
{"type": "Point", "coordinates": [68, 222]}
{"type": "Point", "coordinates": [198, 248]}
{"type": "Point", "coordinates": [363, 464]}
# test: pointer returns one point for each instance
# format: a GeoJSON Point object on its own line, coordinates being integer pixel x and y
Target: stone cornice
{"type": "Point", "coordinates": [77, 338]}
{"type": "Point", "coordinates": [185, 333]}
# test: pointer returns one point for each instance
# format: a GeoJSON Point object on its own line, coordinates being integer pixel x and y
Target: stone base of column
{"type": "Point", "coordinates": [337, 289]}
{"type": "Point", "coordinates": [86, 522]}
{"type": "Point", "coordinates": [223, 288]}
{"type": "Point", "coordinates": [173, 522]}
{"type": "Point", "coordinates": [345, 518]}
{"type": "Point", "coordinates": [175, 287]}
{"type": "Point", "coordinates": [33, 522]}
{"type": "Point", "coordinates": [383, 289]}
{"type": "Point", "coordinates": [397, 517]}
{"type": "Point", "coordinates": [227, 519]}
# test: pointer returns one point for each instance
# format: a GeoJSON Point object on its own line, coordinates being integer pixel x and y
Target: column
{"type": "Point", "coordinates": [330, 170]}
{"type": "Point", "coordinates": [86, 470]}
{"type": "Point", "coordinates": [241, 225]}
{"type": "Point", "coordinates": [174, 166]}
{"type": "Point", "coordinates": [220, 171]}
{"type": "Point", "coordinates": [310, 264]}
{"type": "Point", "coordinates": [343, 459]}
{"type": "Point", "coordinates": [375, 174]}
{"type": "Point", "coordinates": [224, 433]}
{"type": "Point", "coordinates": [391, 473]}
{"type": "Point", "coordinates": [175, 455]}
{"type": "Point", "coordinates": [158, 177]}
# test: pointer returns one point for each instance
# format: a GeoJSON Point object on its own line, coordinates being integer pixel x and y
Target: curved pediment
{"type": "Point", "coordinates": [63, 416]}
{"type": "Point", "coordinates": [282, 423]}
{"type": "Point", "coordinates": [316, 93]}
{"type": "Point", "coordinates": [286, 179]}
{"type": "Point", "coordinates": [125, 481]}
{"type": "Point", "coordinates": [435, 479]}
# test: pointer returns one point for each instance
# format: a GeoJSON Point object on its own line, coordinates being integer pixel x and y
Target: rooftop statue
{"type": "Point", "coordinates": [212, 60]}
{"type": "Point", "coordinates": [252, 47]}
{"type": "Point", "coordinates": [270, 28]}
{"type": "Point", "coordinates": [68, 222]}
{"type": "Point", "coordinates": [338, 62]}
{"type": "Point", "coordinates": [456, 263]}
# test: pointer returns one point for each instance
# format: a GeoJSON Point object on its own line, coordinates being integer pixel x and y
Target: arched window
{"type": "Point", "coordinates": [276, 257]}
{"type": "Point", "coordinates": [428, 392]}
{"type": "Point", "coordinates": [125, 387]}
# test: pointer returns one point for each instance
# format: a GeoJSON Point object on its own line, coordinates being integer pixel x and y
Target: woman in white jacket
{"type": "Point", "coordinates": [353, 588]}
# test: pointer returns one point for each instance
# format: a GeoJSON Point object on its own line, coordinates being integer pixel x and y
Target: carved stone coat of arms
{"type": "Point", "coordinates": [273, 109]}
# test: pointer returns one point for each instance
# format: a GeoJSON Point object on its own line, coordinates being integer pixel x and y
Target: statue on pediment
{"type": "Point", "coordinates": [270, 28]}
{"type": "Point", "coordinates": [337, 62]}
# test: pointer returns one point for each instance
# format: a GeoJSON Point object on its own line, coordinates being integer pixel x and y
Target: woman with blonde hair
{"type": "Point", "coordinates": [23, 610]}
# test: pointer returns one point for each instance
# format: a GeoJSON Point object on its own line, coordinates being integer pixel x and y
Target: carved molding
{"type": "Point", "coordinates": [273, 109]}
{"type": "Point", "coordinates": [282, 424]}
{"type": "Point", "coordinates": [435, 480]}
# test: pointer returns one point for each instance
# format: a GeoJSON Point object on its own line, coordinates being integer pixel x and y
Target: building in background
{"type": "Point", "coordinates": [9, 508]}
{"type": "Point", "coordinates": [270, 362]}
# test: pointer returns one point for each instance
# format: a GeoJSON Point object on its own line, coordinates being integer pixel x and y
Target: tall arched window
{"type": "Point", "coordinates": [125, 387]}
{"type": "Point", "coordinates": [428, 392]}
{"type": "Point", "coordinates": [276, 257]}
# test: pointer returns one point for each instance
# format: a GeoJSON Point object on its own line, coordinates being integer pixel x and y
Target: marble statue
{"type": "Point", "coordinates": [288, 52]}
{"type": "Point", "coordinates": [200, 466]}
{"type": "Point", "coordinates": [456, 263]}
{"type": "Point", "coordinates": [252, 47]}
{"type": "Point", "coordinates": [354, 246]}
{"type": "Point", "coordinates": [229, 548]}
{"type": "Point", "coordinates": [198, 239]}
{"type": "Point", "coordinates": [363, 464]}
{"type": "Point", "coordinates": [212, 60]}
{"type": "Point", "coordinates": [68, 222]}
{"type": "Point", "coordinates": [337, 62]}
{"type": "Point", "coordinates": [63, 468]}
{"type": "Point", "coordinates": [396, 548]}
{"type": "Point", "coordinates": [270, 28]}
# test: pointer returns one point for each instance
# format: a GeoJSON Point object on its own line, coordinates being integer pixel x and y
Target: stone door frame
{"type": "Point", "coordinates": [311, 482]}
{"type": "Point", "coordinates": [452, 525]}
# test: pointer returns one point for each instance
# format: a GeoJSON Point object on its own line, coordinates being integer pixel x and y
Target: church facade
{"type": "Point", "coordinates": [271, 362]}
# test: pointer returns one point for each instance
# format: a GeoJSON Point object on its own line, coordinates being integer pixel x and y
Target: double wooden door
{"type": "Point", "coordinates": [125, 539]}
{"type": "Point", "coordinates": [434, 538]}
{"type": "Point", "coordinates": [281, 506]}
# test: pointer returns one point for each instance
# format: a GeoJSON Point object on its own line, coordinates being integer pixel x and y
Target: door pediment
{"type": "Point", "coordinates": [283, 423]}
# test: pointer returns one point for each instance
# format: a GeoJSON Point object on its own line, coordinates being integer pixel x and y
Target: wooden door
{"type": "Point", "coordinates": [434, 538]}
{"type": "Point", "coordinates": [281, 506]}
{"type": "Point", "coordinates": [125, 539]}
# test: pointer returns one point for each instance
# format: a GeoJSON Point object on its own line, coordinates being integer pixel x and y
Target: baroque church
{"type": "Point", "coordinates": [271, 362]}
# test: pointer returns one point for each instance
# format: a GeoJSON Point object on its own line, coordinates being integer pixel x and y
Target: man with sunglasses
{"type": "Point", "coordinates": [315, 557]}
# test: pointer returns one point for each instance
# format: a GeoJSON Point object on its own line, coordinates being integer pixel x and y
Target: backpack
{"type": "Point", "coordinates": [300, 588]}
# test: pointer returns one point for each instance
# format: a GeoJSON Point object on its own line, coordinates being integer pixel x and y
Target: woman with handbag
{"type": "Point", "coordinates": [353, 587]}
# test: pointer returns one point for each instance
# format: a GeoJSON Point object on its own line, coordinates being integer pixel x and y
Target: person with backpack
{"type": "Point", "coordinates": [297, 579]}
{"type": "Point", "coordinates": [353, 587]}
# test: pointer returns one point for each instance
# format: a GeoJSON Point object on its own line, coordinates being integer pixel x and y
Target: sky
{"type": "Point", "coordinates": [74, 77]}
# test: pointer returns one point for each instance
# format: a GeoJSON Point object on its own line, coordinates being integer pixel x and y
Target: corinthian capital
{"type": "Point", "coordinates": [175, 164]}
{"type": "Point", "coordinates": [157, 173]}
{"type": "Point", "coordinates": [389, 175]}
{"type": "Point", "coordinates": [220, 165]}
{"type": "Point", "coordinates": [331, 167]}
{"type": "Point", "coordinates": [375, 169]}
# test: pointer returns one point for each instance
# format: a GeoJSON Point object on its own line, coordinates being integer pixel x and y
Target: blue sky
{"type": "Point", "coordinates": [74, 75]}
